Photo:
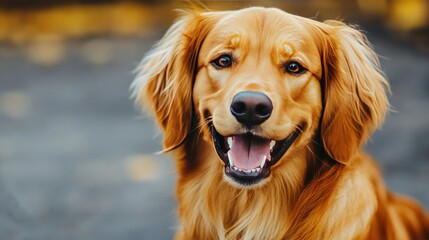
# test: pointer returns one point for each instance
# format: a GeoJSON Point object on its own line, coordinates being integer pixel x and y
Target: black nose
{"type": "Point", "coordinates": [251, 108]}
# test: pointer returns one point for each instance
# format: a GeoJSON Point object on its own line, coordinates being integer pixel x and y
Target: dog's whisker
{"type": "Point", "coordinates": [307, 135]}
{"type": "Point", "coordinates": [200, 127]}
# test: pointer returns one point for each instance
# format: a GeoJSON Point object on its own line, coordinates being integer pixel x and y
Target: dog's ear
{"type": "Point", "coordinates": [166, 75]}
{"type": "Point", "coordinates": [355, 100]}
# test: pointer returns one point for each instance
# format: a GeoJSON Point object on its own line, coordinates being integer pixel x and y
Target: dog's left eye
{"type": "Point", "coordinates": [294, 68]}
{"type": "Point", "coordinates": [224, 61]}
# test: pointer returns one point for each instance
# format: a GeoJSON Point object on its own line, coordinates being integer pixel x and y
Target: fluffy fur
{"type": "Point", "coordinates": [325, 186]}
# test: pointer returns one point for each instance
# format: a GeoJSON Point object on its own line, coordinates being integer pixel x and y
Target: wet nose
{"type": "Point", "coordinates": [251, 108]}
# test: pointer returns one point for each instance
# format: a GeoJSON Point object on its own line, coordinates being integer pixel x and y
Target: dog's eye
{"type": "Point", "coordinates": [294, 68]}
{"type": "Point", "coordinates": [224, 61]}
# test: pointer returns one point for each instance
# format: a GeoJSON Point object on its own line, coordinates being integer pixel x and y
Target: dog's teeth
{"type": "Point", "coordinates": [263, 161]}
{"type": "Point", "coordinates": [235, 168]}
{"type": "Point", "coordinates": [230, 159]}
{"type": "Point", "coordinates": [258, 169]}
{"type": "Point", "coordinates": [253, 170]}
{"type": "Point", "coordinates": [229, 140]}
{"type": "Point", "coordinates": [272, 143]}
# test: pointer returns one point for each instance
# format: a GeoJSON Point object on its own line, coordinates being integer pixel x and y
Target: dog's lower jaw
{"type": "Point", "coordinates": [235, 184]}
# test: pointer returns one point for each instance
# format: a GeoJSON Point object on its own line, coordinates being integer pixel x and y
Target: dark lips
{"type": "Point", "coordinates": [250, 178]}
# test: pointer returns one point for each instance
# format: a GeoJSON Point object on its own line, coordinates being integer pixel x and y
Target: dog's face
{"type": "Point", "coordinates": [258, 84]}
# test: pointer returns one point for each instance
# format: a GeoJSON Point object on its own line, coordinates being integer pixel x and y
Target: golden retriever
{"type": "Point", "coordinates": [266, 114]}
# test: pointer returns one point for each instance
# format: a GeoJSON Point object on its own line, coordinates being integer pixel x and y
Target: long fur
{"type": "Point", "coordinates": [327, 188]}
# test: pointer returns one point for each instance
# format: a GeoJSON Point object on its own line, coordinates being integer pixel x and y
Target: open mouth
{"type": "Point", "coordinates": [248, 157]}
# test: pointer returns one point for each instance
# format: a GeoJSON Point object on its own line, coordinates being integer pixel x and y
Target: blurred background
{"type": "Point", "coordinates": [76, 156]}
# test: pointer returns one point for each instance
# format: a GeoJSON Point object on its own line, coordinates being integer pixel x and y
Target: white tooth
{"type": "Point", "coordinates": [253, 170]}
{"type": "Point", "coordinates": [263, 161]}
{"type": "Point", "coordinates": [229, 140]}
{"type": "Point", "coordinates": [258, 169]}
{"type": "Point", "coordinates": [230, 159]}
{"type": "Point", "coordinates": [235, 168]}
{"type": "Point", "coordinates": [272, 143]}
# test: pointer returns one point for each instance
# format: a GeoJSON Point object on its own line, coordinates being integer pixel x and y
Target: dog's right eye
{"type": "Point", "coordinates": [224, 61]}
{"type": "Point", "coordinates": [294, 68]}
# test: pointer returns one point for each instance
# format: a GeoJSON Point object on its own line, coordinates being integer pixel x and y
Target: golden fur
{"type": "Point", "coordinates": [325, 186]}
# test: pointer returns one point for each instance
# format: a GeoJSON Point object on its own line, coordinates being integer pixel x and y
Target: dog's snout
{"type": "Point", "coordinates": [251, 108]}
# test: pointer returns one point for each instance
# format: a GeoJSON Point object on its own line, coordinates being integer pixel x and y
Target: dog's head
{"type": "Point", "coordinates": [258, 84]}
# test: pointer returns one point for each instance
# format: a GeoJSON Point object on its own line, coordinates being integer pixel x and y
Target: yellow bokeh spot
{"type": "Point", "coordinates": [14, 104]}
{"type": "Point", "coordinates": [408, 14]}
{"type": "Point", "coordinates": [142, 168]}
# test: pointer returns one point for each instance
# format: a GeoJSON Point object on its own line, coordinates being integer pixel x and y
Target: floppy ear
{"type": "Point", "coordinates": [166, 75]}
{"type": "Point", "coordinates": [355, 100]}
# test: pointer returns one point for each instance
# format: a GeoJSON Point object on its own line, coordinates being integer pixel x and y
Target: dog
{"type": "Point", "coordinates": [266, 114]}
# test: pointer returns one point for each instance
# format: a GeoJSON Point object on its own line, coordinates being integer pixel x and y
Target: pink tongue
{"type": "Point", "coordinates": [248, 152]}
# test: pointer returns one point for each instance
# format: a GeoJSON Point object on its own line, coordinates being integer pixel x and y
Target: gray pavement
{"type": "Point", "coordinates": [76, 158]}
